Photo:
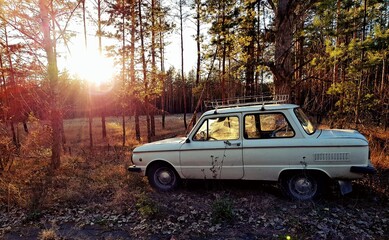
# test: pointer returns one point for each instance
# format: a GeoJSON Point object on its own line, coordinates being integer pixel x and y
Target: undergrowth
{"type": "Point", "coordinates": [222, 210]}
{"type": "Point", "coordinates": [146, 206]}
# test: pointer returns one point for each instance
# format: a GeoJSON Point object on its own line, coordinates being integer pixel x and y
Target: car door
{"type": "Point", "coordinates": [268, 141]}
{"type": "Point", "coordinates": [214, 150]}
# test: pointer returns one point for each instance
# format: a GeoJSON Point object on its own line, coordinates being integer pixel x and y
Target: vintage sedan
{"type": "Point", "coordinates": [258, 141]}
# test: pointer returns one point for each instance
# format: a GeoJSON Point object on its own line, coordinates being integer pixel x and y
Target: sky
{"type": "Point", "coordinates": [173, 51]}
{"type": "Point", "coordinates": [91, 65]}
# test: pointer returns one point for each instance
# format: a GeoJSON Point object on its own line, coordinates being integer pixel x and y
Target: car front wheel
{"type": "Point", "coordinates": [163, 177]}
{"type": "Point", "coordinates": [301, 186]}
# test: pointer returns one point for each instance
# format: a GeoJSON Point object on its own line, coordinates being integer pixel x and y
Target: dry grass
{"type": "Point", "coordinates": [77, 130]}
{"type": "Point", "coordinates": [98, 176]}
{"type": "Point", "coordinates": [379, 146]}
{"type": "Point", "coordinates": [86, 175]}
{"type": "Point", "coordinates": [48, 234]}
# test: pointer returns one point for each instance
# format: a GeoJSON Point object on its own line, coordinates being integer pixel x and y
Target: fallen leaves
{"type": "Point", "coordinates": [188, 214]}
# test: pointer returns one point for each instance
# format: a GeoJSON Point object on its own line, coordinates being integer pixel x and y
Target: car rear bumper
{"type": "Point", "coordinates": [364, 170]}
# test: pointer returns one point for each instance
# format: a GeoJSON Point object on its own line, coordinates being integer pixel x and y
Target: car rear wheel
{"type": "Point", "coordinates": [162, 177]}
{"type": "Point", "coordinates": [301, 186]}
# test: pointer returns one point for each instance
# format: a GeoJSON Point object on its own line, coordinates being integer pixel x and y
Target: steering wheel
{"type": "Point", "coordinates": [280, 129]}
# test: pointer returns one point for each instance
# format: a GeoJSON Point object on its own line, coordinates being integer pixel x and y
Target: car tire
{"type": "Point", "coordinates": [301, 186]}
{"type": "Point", "coordinates": [163, 177]}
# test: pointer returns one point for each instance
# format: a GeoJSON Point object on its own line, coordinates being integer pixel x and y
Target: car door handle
{"type": "Point", "coordinates": [231, 144]}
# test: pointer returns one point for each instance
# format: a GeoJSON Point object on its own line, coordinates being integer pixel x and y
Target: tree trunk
{"type": "Point", "coordinates": [382, 87]}
{"type": "Point", "coordinates": [283, 67]}
{"type": "Point", "coordinates": [25, 127]}
{"type": "Point", "coordinates": [137, 124]}
{"type": "Point", "coordinates": [90, 122]}
{"type": "Point", "coordinates": [336, 67]}
{"type": "Point", "coordinates": [52, 72]}
{"type": "Point", "coordinates": [224, 53]}
{"type": "Point", "coordinates": [132, 68]}
{"type": "Point", "coordinates": [63, 136]}
{"type": "Point", "coordinates": [144, 66]}
{"type": "Point", "coordinates": [296, 96]}
{"type": "Point", "coordinates": [198, 40]}
{"type": "Point", "coordinates": [198, 45]}
{"type": "Point", "coordinates": [360, 81]}
{"type": "Point", "coordinates": [182, 62]}
{"type": "Point", "coordinates": [250, 51]}
{"type": "Point", "coordinates": [99, 33]}
{"type": "Point", "coordinates": [90, 117]}
{"type": "Point", "coordinates": [163, 76]}
{"type": "Point", "coordinates": [153, 66]}
{"type": "Point", "coordinates": [14, 137]}
{"type": "Point", "coordinates": [123, 77]}
{"type": "Point", "coordinates": [3, 85]}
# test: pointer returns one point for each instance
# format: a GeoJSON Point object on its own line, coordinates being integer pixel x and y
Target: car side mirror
{"type": "Point", "coordinates": [187, 140]}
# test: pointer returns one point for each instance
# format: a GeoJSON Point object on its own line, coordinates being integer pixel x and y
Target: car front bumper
{"type": "Point", "coordinates": [134, 168]}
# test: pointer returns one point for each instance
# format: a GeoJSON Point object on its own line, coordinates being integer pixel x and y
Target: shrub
{"type": "Point", "coordinates": [146, 206]}
{"type": "Point", "coordinates": [39, 185]}
{"type": "Point", "coordinates": [11, 194]}
{"type": "Point", "coordinates": [7, 153]}
{"type": "Point", "coordinates": [222, 210]}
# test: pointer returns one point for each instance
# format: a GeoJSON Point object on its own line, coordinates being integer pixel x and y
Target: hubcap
{"type": "Point", "coordinates": [303, 186]}
{"type": "Point", "coordinates": [164, 177]}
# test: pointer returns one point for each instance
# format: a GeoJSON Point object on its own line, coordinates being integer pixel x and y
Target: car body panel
{"type": "Point", "coordinates": [332, 152]}
{"type": "Point", "coordinates": [213, 160]}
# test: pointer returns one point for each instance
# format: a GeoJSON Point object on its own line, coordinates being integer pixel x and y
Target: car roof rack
{"type": "Point", "coordinates": [246, 101]}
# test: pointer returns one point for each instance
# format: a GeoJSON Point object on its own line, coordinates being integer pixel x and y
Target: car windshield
{"type": "Point", "coordinates": [304, 121]}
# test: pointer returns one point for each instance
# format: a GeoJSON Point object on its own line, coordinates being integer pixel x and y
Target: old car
{"type": "Point", "coordinates": [261, 140]}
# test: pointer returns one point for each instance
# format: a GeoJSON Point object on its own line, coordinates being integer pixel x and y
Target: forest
{"type": "Point", "coordinates": [329, 56]}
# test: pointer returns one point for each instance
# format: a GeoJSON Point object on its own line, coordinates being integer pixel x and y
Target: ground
{"type": "Point", "coordinates": [92, 196]}
{"type": "Point", "coordinates": [248, 211]}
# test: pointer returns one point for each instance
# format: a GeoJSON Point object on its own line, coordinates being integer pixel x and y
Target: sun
{"type": "Point", "coordinates": [91, 66]}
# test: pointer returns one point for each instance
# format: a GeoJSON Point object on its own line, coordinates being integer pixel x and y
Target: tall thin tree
{"type": "Point", "coordinates": [99, 36]}
{"type": "Point", "coordinates": [181, 3]}
{"type": "Point", "coordinates": [123, 72]}
{"type": "Point", "coordinates": [52, 73]}
{"type": "Point", "coordinates": [153, 62]}
{"type": "Point", "coordinates": [144, 70]}
{"type": "Point", "coordinates": [132, 67]}
{"type": "Point", "coordinates": [90, 114]}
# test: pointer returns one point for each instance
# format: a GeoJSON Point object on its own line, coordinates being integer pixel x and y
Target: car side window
{"type": "Point", "coordinates": [220, 128]}
{"type": "Point", "coordinates": [267, 125]}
